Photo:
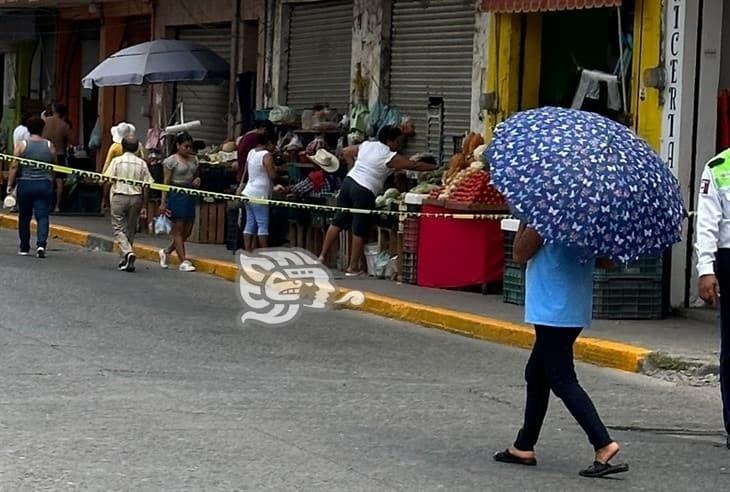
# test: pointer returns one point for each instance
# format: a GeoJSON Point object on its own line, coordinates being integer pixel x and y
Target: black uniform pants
{"type": "Point", "coordinates": [722, 270]}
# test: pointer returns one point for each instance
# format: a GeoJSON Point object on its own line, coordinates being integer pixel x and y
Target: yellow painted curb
{"type": "Point", "coordinates": [592, 350]}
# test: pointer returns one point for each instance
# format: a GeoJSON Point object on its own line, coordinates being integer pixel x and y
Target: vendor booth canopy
{"type": "Point", "coordinates": [159, 61]}
{"type": "Point", "coordinates": [512, 6]}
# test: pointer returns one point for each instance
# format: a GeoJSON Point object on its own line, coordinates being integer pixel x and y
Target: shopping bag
{"type": "Point", "coordinates": [163, 225]}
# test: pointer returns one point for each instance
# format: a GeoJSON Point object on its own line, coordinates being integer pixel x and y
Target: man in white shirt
{"type": "Point", "coordinates": [21, 133]}
{"type": "Point", "coordinates": [128, 199]}
{"type": "Point", "coordinates": [713, 259]}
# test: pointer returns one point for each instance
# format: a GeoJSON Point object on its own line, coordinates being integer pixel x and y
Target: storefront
{"type": "Point", "coordinates": [607, 56]}
{"type": "Point", "coordinates": [207, 103]}
{"type": "Point", "coordinates": [319, 54]}
{"type": "Point", "coordinates": [432, 53]}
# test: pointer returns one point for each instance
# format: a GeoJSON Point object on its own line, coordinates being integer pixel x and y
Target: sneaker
{"type": "Point", "coordinates": [40, 252]}
{"type": "Point", "coordinates": [163, 258]}
{"type": "Point", "coordinates": [130, 262]}
{"type": "Point", "coordinates": [23, 253]}
{"type": "Point", "coordinates": [186, 266]}
{"type": "Point", "coordinates": [122, 264]}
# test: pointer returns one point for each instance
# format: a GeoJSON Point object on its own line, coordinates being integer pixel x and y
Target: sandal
{"type": "Point", "coordinates": [599, 470]}
{"type": "Point", "coordinates": [507, 457]}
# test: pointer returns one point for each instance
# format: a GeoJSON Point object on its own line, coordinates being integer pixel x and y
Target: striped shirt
{"type": "Point", "coordinates": [128, 166]}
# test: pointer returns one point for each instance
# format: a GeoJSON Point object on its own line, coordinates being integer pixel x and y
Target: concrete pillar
{"type": "Point", "coordinates": [112, 100]}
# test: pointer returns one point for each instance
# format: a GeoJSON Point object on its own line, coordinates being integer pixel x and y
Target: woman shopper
{"type": "Point", "coordinates": [34, 187]}
{"type": "Point", "coordinates": [261, 173]}
{"type": "Point", "coordinates": [558, 301]}
{"type": "Point", "coordinates": [373, 163]}
{"type": "Point", "coordinates": [181, 170]}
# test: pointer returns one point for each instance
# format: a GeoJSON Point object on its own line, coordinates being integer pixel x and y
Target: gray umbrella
{"type": "Point", "coordinates": [162, 60]}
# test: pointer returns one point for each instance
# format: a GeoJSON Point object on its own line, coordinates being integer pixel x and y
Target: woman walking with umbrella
{"type": "Point", "coordinates": [584, 187]}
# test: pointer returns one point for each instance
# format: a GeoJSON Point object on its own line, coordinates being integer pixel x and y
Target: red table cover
{"type": "Point", "coordinates": [454, 253]}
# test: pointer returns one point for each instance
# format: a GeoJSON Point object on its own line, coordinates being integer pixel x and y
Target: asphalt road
{"type": "Point", "coordinates": [145, 381]}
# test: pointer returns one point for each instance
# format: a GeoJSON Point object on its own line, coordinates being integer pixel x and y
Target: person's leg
{"type": "Point", "coordinates": [249, 231]}
{"type": "Point", "coordinates": [560, 370]}
{"type": "Point", "coordinates": [333, 232]}
{"type": "Point", "coordinates": [262, 224]}
{"type": "Point", "coordinates": [362, 198]}
{"type": "Point", "coordinates": [722, 267]}
{"type": "Point", "coordinates": [178, 243]}
{"type": "Point", "coordinates": [59, 192]}
{"type": "Point", "coordinates": [538, 397]}
{"type": "Point", "coordinates": [133, 211]}
{"type": "Point", "coordinates": [341, 221]}
{"type": "Point", "coordinates": [356, 252]}
{"type": "Point", "coordinates": [119, 210]}
{"type": "Point", "coordinates": [186, 232]}
{"type": "Point", "coordinates": [25, 214]}
{"type": "Point", "coordinates": [42, 210]}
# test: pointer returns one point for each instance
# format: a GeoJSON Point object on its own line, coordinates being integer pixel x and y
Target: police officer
{"type": "Point", "coordinates": [713, 259]}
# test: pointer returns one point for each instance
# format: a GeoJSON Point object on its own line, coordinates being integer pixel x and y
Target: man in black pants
{"type": "Point", "coordinates": [559, 302]}
{"type": "Point", "coordinates": [713, 259]}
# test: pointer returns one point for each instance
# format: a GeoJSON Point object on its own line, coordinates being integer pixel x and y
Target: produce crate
{"type": "Point", "coordinates": [410, 235]}
{"type": "Point", "coordinates": [408, 266]}
{"type": "Point", "coordinates": [513, 284]}
{"type": "Point", "coordinates": [509, 239]}
{"type": "Point", "coordinates": [627, 299]}
{"type": "Point", "coordinates": [210, 223]}
{"type": "Point", "coordinates": [644, 268]}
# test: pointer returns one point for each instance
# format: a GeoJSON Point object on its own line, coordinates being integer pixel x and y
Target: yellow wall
{"type": "Point", "coordinates": [504, 72]}
{"type": "Point", "coordinates": [646, 105]}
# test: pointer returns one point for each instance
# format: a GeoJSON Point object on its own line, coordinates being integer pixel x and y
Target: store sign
{"type": "Point", "coordinates": [674, 65]}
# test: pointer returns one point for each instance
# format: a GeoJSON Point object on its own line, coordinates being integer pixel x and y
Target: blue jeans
{"type": "Point", "coordinates": [257, 220]}
{"type": "Point", "coordinates": [34, 197]}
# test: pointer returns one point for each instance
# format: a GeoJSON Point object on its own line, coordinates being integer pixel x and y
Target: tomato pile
{"type": "Point", "coordinates": [470, 186]}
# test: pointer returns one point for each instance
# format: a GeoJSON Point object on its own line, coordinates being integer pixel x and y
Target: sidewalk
{"type": "Point", "coordinates": [670, 343]}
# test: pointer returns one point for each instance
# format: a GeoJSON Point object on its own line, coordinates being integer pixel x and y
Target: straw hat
{"type": "Point", "coordinates": [121, 131]}
{"type": "Point", "coordinates": [326, 160]}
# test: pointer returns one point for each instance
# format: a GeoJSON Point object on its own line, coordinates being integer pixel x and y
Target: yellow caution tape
{"type": "Point", "coordinates": [102, 179]}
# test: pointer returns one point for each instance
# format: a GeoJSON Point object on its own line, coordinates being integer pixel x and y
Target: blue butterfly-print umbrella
{"type": "Point", "coordinates": [584, 181]}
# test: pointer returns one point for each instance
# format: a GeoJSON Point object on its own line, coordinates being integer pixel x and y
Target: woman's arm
{"type": "Point", "coordinates": [17, 150]}
{"type": "Point", "coordinates": [400, 162]}
{"type": "Point", "coordinates": [269, 165]}
{"type": "Point", "coordinates": [349, 154]}
{"type": "Point", "coordinates": [167, 180]}
{"type": "Point", "coordinates": [527, 243]}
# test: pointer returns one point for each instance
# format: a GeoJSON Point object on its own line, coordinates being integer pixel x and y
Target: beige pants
{"type": "Point", "coordinates": [125, 212]}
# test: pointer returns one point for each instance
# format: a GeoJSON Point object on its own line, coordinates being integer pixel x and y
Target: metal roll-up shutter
{"type": "Point", "coordinates": [432, 56]}
{"type": "Point", "coordinates": [207, 102]}
{"type": "Point", "coordinates": [320, 54]}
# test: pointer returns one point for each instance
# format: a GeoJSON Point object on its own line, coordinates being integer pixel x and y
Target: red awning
{"type": "Point", "coordinates": [512, 6]}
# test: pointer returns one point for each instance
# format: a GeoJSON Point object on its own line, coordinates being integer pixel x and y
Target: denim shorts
{"type": "Point", "coordinates": [181, 206]}
{"type": "Point", "coordinates": [257, 219]}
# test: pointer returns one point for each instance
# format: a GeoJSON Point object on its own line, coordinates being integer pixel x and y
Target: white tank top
{"type": "Point", "coordinates": [259, 183]}
{"type": "Point", "coordinates": [371, 167]}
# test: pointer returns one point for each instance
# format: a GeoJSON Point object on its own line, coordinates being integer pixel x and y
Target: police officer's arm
{"type": "Point", "coordinates": [709, 217]}
{"type": "Point", "coordinates": [527, 243]}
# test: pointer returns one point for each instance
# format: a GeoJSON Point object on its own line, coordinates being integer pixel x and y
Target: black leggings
{"type": "Point", "coordinates": [551, 368]}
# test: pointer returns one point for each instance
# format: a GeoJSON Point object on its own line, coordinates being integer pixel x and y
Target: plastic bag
{"type": "Point", "coordinates": [163, 225]}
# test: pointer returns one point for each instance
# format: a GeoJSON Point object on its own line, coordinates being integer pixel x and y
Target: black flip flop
{"type": "Point", "coordinates": [600, 470]}
{"type": "Point", "coordinates": [507, 457]}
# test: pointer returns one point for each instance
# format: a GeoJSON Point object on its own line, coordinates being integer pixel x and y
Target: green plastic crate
{"type": "Point", "coordinates": [644, 268]}
{"type": "Point", "coordinates": [621, 298]}
{"type": "Point", "coordinates": [513, 284]}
